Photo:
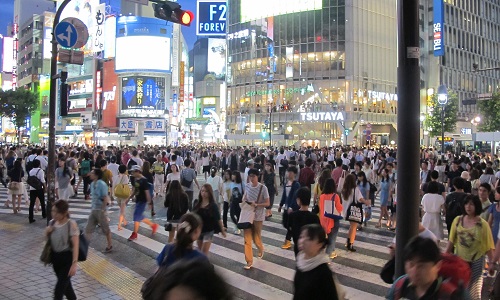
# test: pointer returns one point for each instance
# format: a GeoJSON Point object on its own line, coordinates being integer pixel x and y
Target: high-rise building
{"type": "Point", "coordinates": [459, 39]}
{"type": "Point", "coordinates": [311, 72]}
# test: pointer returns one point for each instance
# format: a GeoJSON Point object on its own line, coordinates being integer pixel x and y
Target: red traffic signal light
{"type": "Point", "coordinates": [171, 11]}
{"type": "Point", "coordinates": [186, 17]}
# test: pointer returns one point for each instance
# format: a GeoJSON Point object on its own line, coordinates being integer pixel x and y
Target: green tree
{"type": "Point", "coordinates": [433, 121]}
{"type": "Point", "coordinates": [18, 105]}
{"type": "Point", "coordinates": [490, 113]}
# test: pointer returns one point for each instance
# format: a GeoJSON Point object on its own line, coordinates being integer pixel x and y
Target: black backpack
{"type": "Point", "coordinates": [131, 163]}
{"type": "Point", "coordinates": [284, 163]}
{"type": "Point", "coordinates": [454, 208]}
{"type": "Point", "coordinates": [29, 164]}
{"type": "Point", "coordinates": [34, 182]}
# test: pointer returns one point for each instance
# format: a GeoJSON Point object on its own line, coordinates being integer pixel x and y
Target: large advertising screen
{"type": "Point", "coordinates": [211, 17]}
{"type": "Point", "coordinates": [216, 63]}
{"type": "Point", "coordinates": [109, 97]}
{"type": "Point", "coordinates": [142, 95]}
{"type": "Point", "coordinates": [8, 54]}
{"type": "Point", "coordinates": [143, 53]}
{"type": "Point", "coordinates": [260, 9]}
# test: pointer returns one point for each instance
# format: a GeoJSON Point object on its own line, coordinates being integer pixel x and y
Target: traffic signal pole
{"type": "Point", "coordinates": [408, 127]}
{"type": "Point", "coordinates": [51, 183]}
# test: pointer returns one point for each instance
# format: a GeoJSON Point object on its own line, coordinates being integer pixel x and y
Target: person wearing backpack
{"type": "Point", "coordinates": [454, 202]}
{"type": "Point", "coordinates": [36, 182]}
{"type": "Point", "coordinates": [423, 263]}
{"type": "Point", "coordinates": [85, 167]}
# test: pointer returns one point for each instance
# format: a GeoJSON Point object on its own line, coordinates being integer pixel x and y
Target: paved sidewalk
{"type": "Point", "coordinates": [23, 276]}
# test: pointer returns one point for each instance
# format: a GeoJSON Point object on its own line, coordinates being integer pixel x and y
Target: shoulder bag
{"type": "Point", "coordinates": [355, 210]}
{"type": "Point", "coordinates": [15, 186]}
{"type": "Point", "coordinates": [83, 244]}
{"type": "Point", "coordinates": [340, 184]}
{"type": "Point", "coordinates": [46, 256]}
{"type": "Point", "coordinates": [247, 214]}
{"type": "Point", "coordinates": [330, 211]}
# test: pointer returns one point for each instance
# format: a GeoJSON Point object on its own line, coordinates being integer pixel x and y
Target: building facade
{"type": "Point", "coordinates": [311, 71]}
{"type": "Point", "coordinates": [460, 41]}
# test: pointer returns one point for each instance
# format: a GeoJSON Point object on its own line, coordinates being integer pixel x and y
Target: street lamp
{"type": "Point", "coordinates": [442, 101]}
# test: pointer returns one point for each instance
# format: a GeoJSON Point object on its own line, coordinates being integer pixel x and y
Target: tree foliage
{"type": "Point", "coordinates": [490, 113]}
{"type": "Point", "coordinates": [18, 105]}
{"type": "Point", "coordinates": [433, 118]}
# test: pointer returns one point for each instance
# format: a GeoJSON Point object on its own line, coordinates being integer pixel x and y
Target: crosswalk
{"type": "Point", "coordinates": [272, 276]}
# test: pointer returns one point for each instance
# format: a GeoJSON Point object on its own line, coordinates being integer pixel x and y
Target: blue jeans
{"type": "Point", "coordinates": [332, 237]}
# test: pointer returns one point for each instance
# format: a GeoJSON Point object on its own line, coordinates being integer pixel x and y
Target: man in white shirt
{"type": "Point", "coordinates": [43, 162]}
{"type": "Point", "coordinates": [135, 158]}
{"type": "Point", "coordinates": [37, 192]}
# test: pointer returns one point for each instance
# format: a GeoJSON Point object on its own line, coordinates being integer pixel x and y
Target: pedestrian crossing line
{"type": "Point", "coordinates": [254, 287]}
{"type": "Point", "coordinates": [25, 212]}
{"type": "Point", "coordinates": [343, 226]}
{"type": "Point", "coordinates": [285, 272]}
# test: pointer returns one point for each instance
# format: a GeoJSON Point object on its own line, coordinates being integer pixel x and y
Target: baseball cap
{"type": "Point", "coordinates": [136, 168]}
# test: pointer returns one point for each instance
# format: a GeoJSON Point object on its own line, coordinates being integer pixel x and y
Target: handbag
{"type": "Point", "coordinates": [247, 214]}
{"type": "Point", "coordinates": [331, 211]}
{"type": "Point", "coordinates": [185, 183]}
{"type": "Point", "coordinates": [13, 186]}
{"type": "Point", "coordinates": [46, 256]}
{"type": "Point", "coordinates": [355, 211]}
{"type": "Point", "coordinates": [83, 244]}
{"type": "Point", "coordinates": [373, 188]}
{"type": "Point", "coordinates": [315, 209]}
{"type": "Point", "coordinates": [388, 271]}
{"type": "Point", "coordinates": [122, 190]}
{"type": "Point", "coordinates": [340, 184]}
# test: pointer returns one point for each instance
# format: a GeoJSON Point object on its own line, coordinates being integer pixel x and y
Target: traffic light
{"type": "Point", "coordinates": [346, 132]}
{"type": "Point", "coordinates": [63, 103]}
{"type": "Point", "coordinates": [171, 11]}
{"type": "Point", "coordinates": [264, 134]}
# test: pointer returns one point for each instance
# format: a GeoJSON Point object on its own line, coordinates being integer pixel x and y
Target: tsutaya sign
{"type": "Point", "coordinates": [322, 116]}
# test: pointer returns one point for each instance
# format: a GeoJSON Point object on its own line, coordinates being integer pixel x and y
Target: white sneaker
{"type": "Point", "coordinates": [237, 231]}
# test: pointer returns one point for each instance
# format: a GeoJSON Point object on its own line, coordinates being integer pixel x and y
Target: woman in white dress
{"type": "Point", "coordinates": [432, 204]}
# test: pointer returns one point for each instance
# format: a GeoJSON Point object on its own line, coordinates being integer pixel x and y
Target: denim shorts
{"type": "Point", "coordinates": [140, 207]}
{"type": "Point", "coordinates": [206, 236]}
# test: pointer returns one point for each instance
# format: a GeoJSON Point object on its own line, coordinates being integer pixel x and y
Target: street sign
{"type": "Point", "coordinates": [71, 56]}
{"type": "Point", "coordinates": [266, 122]}
{"type": "Point", "coordinates": [368, 126]}
{"type": "Point", "coordinates": [66, 34]}
{"type": "Point", "coordinates": [81, 30]}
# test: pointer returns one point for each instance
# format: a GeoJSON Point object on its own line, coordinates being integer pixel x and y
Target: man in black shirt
{"type": "Point", "coordinates": [455, 171]}
{"type": "Point", "coordinates": [301, 217]}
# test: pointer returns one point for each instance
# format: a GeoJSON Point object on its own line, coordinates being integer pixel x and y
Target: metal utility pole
{"type": "Point", "coordinates": [408, 127]}
{"type": "Point", "coordinates": [51, 184]}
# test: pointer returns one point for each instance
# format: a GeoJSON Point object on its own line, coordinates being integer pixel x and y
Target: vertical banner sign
{"type": "Point", "coordinates": [181, 82]}
{"type": "Point", "coordinates": [174, 106]}
{"type": "Point", "coordinates": [99, 17]}
{"type": "Point", "coordinates": [438, 28]}
{"type": "Point", "coordinates": [289, 62]}
{"type": "Point", "coordinates": [175, 54]}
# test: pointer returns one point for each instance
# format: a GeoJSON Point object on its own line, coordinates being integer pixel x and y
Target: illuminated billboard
{"type": "Point", "coordinates": [216, 62]}
{"type": "Point", "coordinates": [260, 9]}
{"type": "Point", "coordinates": [150, 53]}
{"type": "Point", "coordinates": [142, 95]}
{"type": "Point", "coordinates": [110, 37]}
{"type": "Point", "coordinates": [142, 44]}
{"type": "Point", "coordinates": [8, 54]}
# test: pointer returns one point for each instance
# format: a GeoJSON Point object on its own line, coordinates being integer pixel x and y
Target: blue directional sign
{"type": "Point", "coordinates": [266, 122]}
{"type": "Point", "coordinates": [211, 17]}
{"type": "Point", "coordinates": [66, 34]}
